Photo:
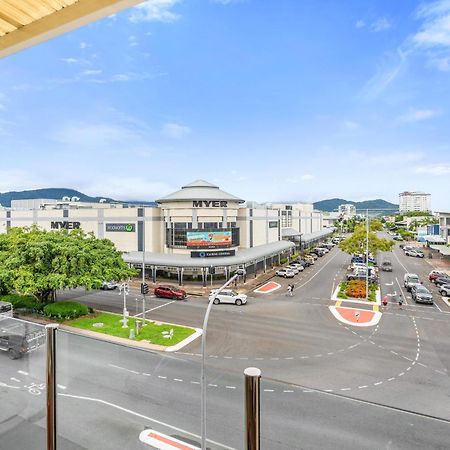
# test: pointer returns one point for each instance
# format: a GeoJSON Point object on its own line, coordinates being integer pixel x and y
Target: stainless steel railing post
{"type": "Point", "coordinates": [252, 408]}
{"type": "Point", "coordinates": [51, 385]}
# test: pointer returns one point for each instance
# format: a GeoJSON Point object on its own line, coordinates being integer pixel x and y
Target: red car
{"type": "Point", "coordinates": [170, 292]}
{"type": "Point", "coordinates": [435, 274]}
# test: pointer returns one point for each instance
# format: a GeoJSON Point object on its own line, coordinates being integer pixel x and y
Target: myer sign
{"type": "Point", "coordinates": [57, 225]}
{"type": "Point", "coordinates": [209, 203]}
{"type": "Point", "coordinates": [124, 227]}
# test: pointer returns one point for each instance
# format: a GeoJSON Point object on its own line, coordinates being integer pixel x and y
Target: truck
{"type": "Point", "coordinates": [18, 338]}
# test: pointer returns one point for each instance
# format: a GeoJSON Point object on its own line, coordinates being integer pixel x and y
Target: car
{"type": "Point", "coordinates": [420, 294]}
{"type": "Point", "coordinates": [286, 273]}
{"type": "Point", "coordinates": [361, 277]}
{"type": "Point", "coordinates": [298, 265]}
{"type": "Point", "coordinates": [324, 249]}
{"type": "Point", "coordinates": [407, 247]}
{"type": "Point", "coordinates": [309, 259]}
{"type": "Point", "coordinates": [397, 237]}
{"type": "Point", "coordinates": [165, 291]}
{"type": "Point", "coordinates": [415, 253]}
{"type": "Point", "coordinates": [109, 286]}
{"type": "Point", "coordinates": [318, 251]}
{"type": "Point", "coordinates": [444, 290]}
{"type": "Point", "coordinates": [386, 266]}
{"type": "Point", "coordinates": [442, 280]}
{"type": "Point", "coordinates": [436, 274]}
{"type": "Point", "coordinates": [313, 255]}
{"type": "Point", "coordinates": [409, 280]}
{"type": "Point", "coordinates": [293, 268]}
{"type": "Point", "coordinates": [228, 296]}
{"type": "Point", "coordinates": [357, 259]}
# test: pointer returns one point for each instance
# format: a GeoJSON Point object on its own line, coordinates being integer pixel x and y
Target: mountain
{"type": "Point", "coordinates": [379, 204]}
{"type": "Point", "coordinates": [57, 194]}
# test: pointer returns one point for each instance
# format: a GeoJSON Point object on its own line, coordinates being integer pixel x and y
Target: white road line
{"type": "Point", "coordinates": [15, 379]}
{"type": "Point", "coordinates": [22, 372]}
{"type": "Point", "coordinates": [230, 387]}
{"type": "Point", "coordinates": [268, 390]}
{"type": "Point", "coordinates": [377, 384]}
{"type": "Point", "coordinates": [195, 382]}
{"type": "Point", "coordinates": [123, 368]}
{"type": "Point", "coordinates": [134, 413]}
{"type": "Point", "coordinates": [435, 304]}
{"type": "Point", "coordinates": [62, 387]}
{"type": "Point", "coordinates": [391, 379]}
{"type": "Point", "coordinates": [317, 273]}
{"type": "Point", "coordinates": [212, 385]}
{"type": "Point", "coordinates": [286, 390]}
{"type": "Point", "coordinates": [178, 379]}
{"type": "Point", "coordinates": [162, 377]}
{"type": "Point", "coordinates": [156, 307]}
{"type": "Point", "coordinates": [147, 374]}
{"type": "Point", "coordinates": [362, 387]}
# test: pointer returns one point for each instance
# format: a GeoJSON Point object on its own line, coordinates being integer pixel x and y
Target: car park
{"type": "Point", "coordinates": [286, 273]}
{"type": "Point", "coordinates": [445, 290]}
{"type": "Point", "coordinates": [172, 292]}
{"type": "Point", "coordinates": [228, 296]}
{"type": "Point", "coordinates": [420, 294]}
{"type": "Point", "coordinates": [109, 286]}
{"type": "Point", "coordinates": [409, 280]}
{"type": "Point", "coordinates": [415, 253]}
{"type": "Point", "coordinates": [386, 266]}
{"type": "Point", "coordinates": [442, 280]}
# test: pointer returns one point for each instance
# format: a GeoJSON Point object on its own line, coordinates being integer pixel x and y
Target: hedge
{"type": "Point", "coordinates": [24, 302]}
{"type": "Point", "coordinates": [65, 310]}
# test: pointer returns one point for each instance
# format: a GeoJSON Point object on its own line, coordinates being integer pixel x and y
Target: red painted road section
{"type": "Point", "coordinates": [355, 315]}
{"type": "Point", "coordinates": [163, 442]}
{"type": "Point", "coordinates": [268, 287]}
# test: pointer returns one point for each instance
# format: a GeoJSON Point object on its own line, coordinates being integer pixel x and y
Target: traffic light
{"type": "Point", "coordinates": [144, 288]}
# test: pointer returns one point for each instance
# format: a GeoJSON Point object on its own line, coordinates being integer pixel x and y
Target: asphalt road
{"type": "Point", "coordinates": [325, 385]}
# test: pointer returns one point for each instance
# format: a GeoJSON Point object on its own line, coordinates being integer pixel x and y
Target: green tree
{"type": "Point", "coordinates": [356, 243]}
{"type": "Point", "coordinates": [38, 262]}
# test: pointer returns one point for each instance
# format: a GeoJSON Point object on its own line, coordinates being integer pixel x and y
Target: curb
{"type": "Point", "coordinates": [377, 301]}
{"type": "Point", "coordinates": [184, 342]}
{"type": "Point", "coordinates": [376, 317]}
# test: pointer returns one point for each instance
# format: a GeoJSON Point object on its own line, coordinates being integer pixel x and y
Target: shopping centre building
{"type": "Point", "coordinates": [195, 232]}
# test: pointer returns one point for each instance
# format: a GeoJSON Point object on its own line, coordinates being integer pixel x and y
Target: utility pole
{"type": "Point", "coordinates": [367, 255]}
{"type": "Point", "coordinates": [126, 290]}
{"type": "Point", "coordinates": [143, 289]}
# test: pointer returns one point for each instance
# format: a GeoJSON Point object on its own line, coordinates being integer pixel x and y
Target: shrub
{"type": "Point", "coordinates": [356, 289]}
{"type": "Point", "coordinates": [283, 260]}
{"type": "Point", "coordinates": [65, 310]}
{"type": "Point", "coordinates": [23, 302]}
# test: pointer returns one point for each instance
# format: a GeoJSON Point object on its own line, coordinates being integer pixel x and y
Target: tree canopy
{"type": "Point", "coordinates": [38, 262]}
{"type": "Point", "coordinates": [356, 243]}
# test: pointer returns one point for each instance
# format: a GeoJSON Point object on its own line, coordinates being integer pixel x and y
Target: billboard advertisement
{"type": "Point", "coordinates": [208, 239]}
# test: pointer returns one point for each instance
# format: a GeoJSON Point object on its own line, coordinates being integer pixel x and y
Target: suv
{"type": "Point", "coordinates": [420, 294]}
{"type": "Point", "coordinates": [170, 292]}
{"type": "Point", "coordinates": [228, 296]}
{"type": "Point", "coordinates": [309, 259]}
{"type": "Point", "coordinates": [299, 265]}
{"type": "Point", "coordinates": [409, 280]}
{"type": "Point", "coordinates": [361, 277]}
{"type": "Point", "coordinates": [445, 290]}
{"type": "Point", "coordinates": [386, 266]}
{"type": "Point", "coordinates": [413, 252]}
{"type": "Point", "coordinates": [442, 280]}
{"type": "Point", "coordinates": [108, 286]}
{"type": "Point", "coordinates": [286, 273]}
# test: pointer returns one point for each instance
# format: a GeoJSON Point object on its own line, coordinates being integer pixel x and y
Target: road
{"type": "Point", "coordinates": [325, 385]}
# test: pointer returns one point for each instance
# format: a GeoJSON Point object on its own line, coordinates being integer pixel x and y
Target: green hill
{"type": "Point", "coordinates": [380, 205]}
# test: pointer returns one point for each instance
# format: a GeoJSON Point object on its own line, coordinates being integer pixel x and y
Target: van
{"type": "Point", "coordinates": [409, 280]}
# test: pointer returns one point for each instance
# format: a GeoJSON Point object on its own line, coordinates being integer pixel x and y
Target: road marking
{"type": "Point", "coordinates": [123, 368]}
{"type": "Point", "coordinates": [391, 379]}
{"type": "Point", "coordinates": [22, 372]}
{"type": "Point", "coordinates": [156, 307]}
{"type": "Point", "coordinates": [317, 273]}
{"type": "Point", "coordinates": [378, 383]}
{"type": "Point", "coordinates": [362, 387]}
{"type": "Point", "coordinates": [162, 377]}
{"type": "Point", "coordinates": [399, 285]}
{"type": "Point", "coordinates": [230, 387]}
{"type": "Point", "coordinates": [268, 390]}
{"type": "Point", "coordinates": [15, 379]}
{"type": "Point", "coordinates": [163, 442]}
{"type": "Point", "coordinates": [178, 379]}
{"type": "Point", "coordinates": [286, 390]}
{"type": "Point", "coordinates": [147, 374]}
{"type": "Point", "coordinates": [195, 382]}
{"type": "Point", "coordinates": [62, 387]}
{"type": "Point", "coordinates": [134, 413]}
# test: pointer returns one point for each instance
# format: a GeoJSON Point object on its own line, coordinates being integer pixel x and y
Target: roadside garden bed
{"type": "Point", "coordinates": [356, 290]}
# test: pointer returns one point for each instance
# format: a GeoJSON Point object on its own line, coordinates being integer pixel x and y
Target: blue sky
{"type": "Point", "coordinates": [272, 100]}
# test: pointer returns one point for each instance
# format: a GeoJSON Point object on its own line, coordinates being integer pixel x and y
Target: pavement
{"type": "Point", "coordinates": [325, 384]}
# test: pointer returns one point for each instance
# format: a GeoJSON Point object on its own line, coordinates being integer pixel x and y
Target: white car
{"type": "Point", "coordinates": [293, 268]}
{"type": "Point", "coordinates": [109, 286]}
{"type": "Point", "coordinates": [286, 273]}
{"type": "Point", "coordinates": [299, 267]}
{"type": "Point", "coordinates": [416, 253]}
{"type": "Point", "coordinates": [228, 296]}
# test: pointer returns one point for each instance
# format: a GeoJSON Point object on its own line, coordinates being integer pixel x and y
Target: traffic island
{"type": "Point", "coordinates": [151, 336]}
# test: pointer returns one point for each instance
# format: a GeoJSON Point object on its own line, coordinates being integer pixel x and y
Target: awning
{"type": "Point", "coordinates": [24, 23]}
{"type": "Point", "coordinates": [306, 238]}
{"type": "Point", "coordinates": [245, 256]}
{"type": "Point", "coordinates": [443, 249]}
{"type": "Point", "coordinates": [435, 239]}
{"type": "Point", "coordinates": [289, 232]}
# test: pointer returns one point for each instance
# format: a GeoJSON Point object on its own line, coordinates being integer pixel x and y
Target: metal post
{"type": "Point", "coordinates": [202, 372]}
{"type": "Point", "coordinates": [367, 255]}
{"type": "Point", "coordinates": [252, 408]}
{"type": "Point", "coordinates": [143, 267]}
{"type": "Point", "coordinates": [51, 385]}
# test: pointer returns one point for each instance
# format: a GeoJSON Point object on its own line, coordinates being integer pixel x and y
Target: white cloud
{"type": "Point", "coordinates": [70, 60]}
{"type": "Point", "coordinates": [434, 169]}
{"type": "Point", "coordinates": [154, 11]}
{"type": "Point", "coordinates": [307, 177]}
{"type": "Point", "coordinates": [360, 24]}
{"type": "Point", "coordinates": [91, 72]}
{"type": "Point", "coordinates": [350, 125]}
{"type": "Point", "coordinates": [417, 115]}
{"type": "Point", "coordinates": [17, 179]}
{"type": "Point", "coordinates": [381, 24]}
{"type": "Point", "coordinates": [132, 41]}
{"type": "Point", "coordinates": [84, 45]}
{"type": "Point", "coordinates": [174, 130]}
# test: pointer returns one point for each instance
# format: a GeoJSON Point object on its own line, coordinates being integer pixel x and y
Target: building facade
{"type": "Point", "coordinates": [414, 201]}
{"type": "Point", "coordinates": [347, 210]}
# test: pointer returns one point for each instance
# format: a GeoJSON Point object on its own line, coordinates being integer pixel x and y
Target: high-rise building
{"type": "Point", "coordinates": [414, 201]}
{"type": "Point", "coordinates": [347, 211]}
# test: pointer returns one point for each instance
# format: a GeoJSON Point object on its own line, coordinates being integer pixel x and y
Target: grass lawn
{"type": "Point", "coordinates": [112, 325]}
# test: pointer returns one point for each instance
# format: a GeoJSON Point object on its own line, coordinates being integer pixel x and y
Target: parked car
{"type": "Point", "coordinates": [228, 296]}
{"type": "Point", "coordinates": [309, 259]}
{"type": "Point", "coordinates": [298, 265]}
{"type": "Point", "coordinates": [442, 280]}
{"type": "Point", "coordinates": [286, 273]}
{"type": "Point", "coordinates": [109, 286]}
{"type": "Point", "coordinates": [409, 280]}
{"type": "Point", "coordinates": [313, 255]}
{"type": "Point", "coordinates": [397, 237]}
{"type": "Point", "coordinates": [420, 294]}
{"type": "Point", "coordinates": [361, 277]}
{"type": "Point", "coordinates": [415, 253]}
{"type": "Point", "coordinates": [386, 266]}
{"type": "Point", "coordinates": [357, 259]}
{"type": "Point", "coordinates": [172, 292]}
{"type": "Point", "coordinates": [434, 274]}
{"type": "Point", "coordinates": [293, 268]}
{"type": "Point", "coordinates": [407, 247]}
{"type": "Point", "coordinates": [444, 290]}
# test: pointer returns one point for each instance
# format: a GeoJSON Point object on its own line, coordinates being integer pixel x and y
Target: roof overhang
{"type": "Point", "coordinates": [25, 24]}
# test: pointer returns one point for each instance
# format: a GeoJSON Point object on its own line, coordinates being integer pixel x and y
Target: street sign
{"type": "Point", "coordinates": [163, 442]}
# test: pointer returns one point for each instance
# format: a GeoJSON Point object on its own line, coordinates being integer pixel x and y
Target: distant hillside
{"type": "Point", "coordinates": [332, 205]}
{"type": "Point", "coordinates": [55, 193]}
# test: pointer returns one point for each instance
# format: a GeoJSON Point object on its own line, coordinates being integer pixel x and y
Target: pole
{"type": "Point", "coordinates": [124, 288]}
{"type": "Point", "coordinates": [51, 384]}
{"type": "Point", "coordinates": [252, 408]}
{"type": "Point", "coordinates": [202, 373]}
{"type": "Point", "coordinates": [143, 268]}
{"type": "Point", "coordinates": [367, 255]}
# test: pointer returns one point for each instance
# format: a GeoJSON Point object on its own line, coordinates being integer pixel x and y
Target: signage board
{"type": "Point", "coordinates": [212, 254]}
{"type": "Point", "coordinates": [273, 223]}
{"type": "Point", "coordinates": [208, 239]}
{"type": "Point", "coordinates": [209, 203]}
{"type": "Point", "coordinates": [121, 227]}
{"type": "Point", "coordinates": [66, 225]}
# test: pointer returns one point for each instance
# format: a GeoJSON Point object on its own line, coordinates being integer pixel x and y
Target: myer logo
{"type": "Point", "coordinates": [65, 225]}
{"type": "Point", "coordinates": [209, 203]}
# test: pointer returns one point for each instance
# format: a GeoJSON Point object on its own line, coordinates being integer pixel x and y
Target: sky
{"type": "Point", "coordinates": [274, 100]}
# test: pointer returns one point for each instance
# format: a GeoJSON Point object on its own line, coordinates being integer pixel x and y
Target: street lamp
{"type": "Point", "coordinates": [126, 290]}
{"type": "Point", "coordinates": [239, 272]}
{"type": "Point", "coordinates": [367, 255]}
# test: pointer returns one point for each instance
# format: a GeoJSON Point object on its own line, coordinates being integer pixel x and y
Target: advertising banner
{"type": "Point", "coordinates": [208, 239]}
{"type": "Point", "coordinates": [121, 227]}
{"type": "Point", "coordinates": [212, 254]}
